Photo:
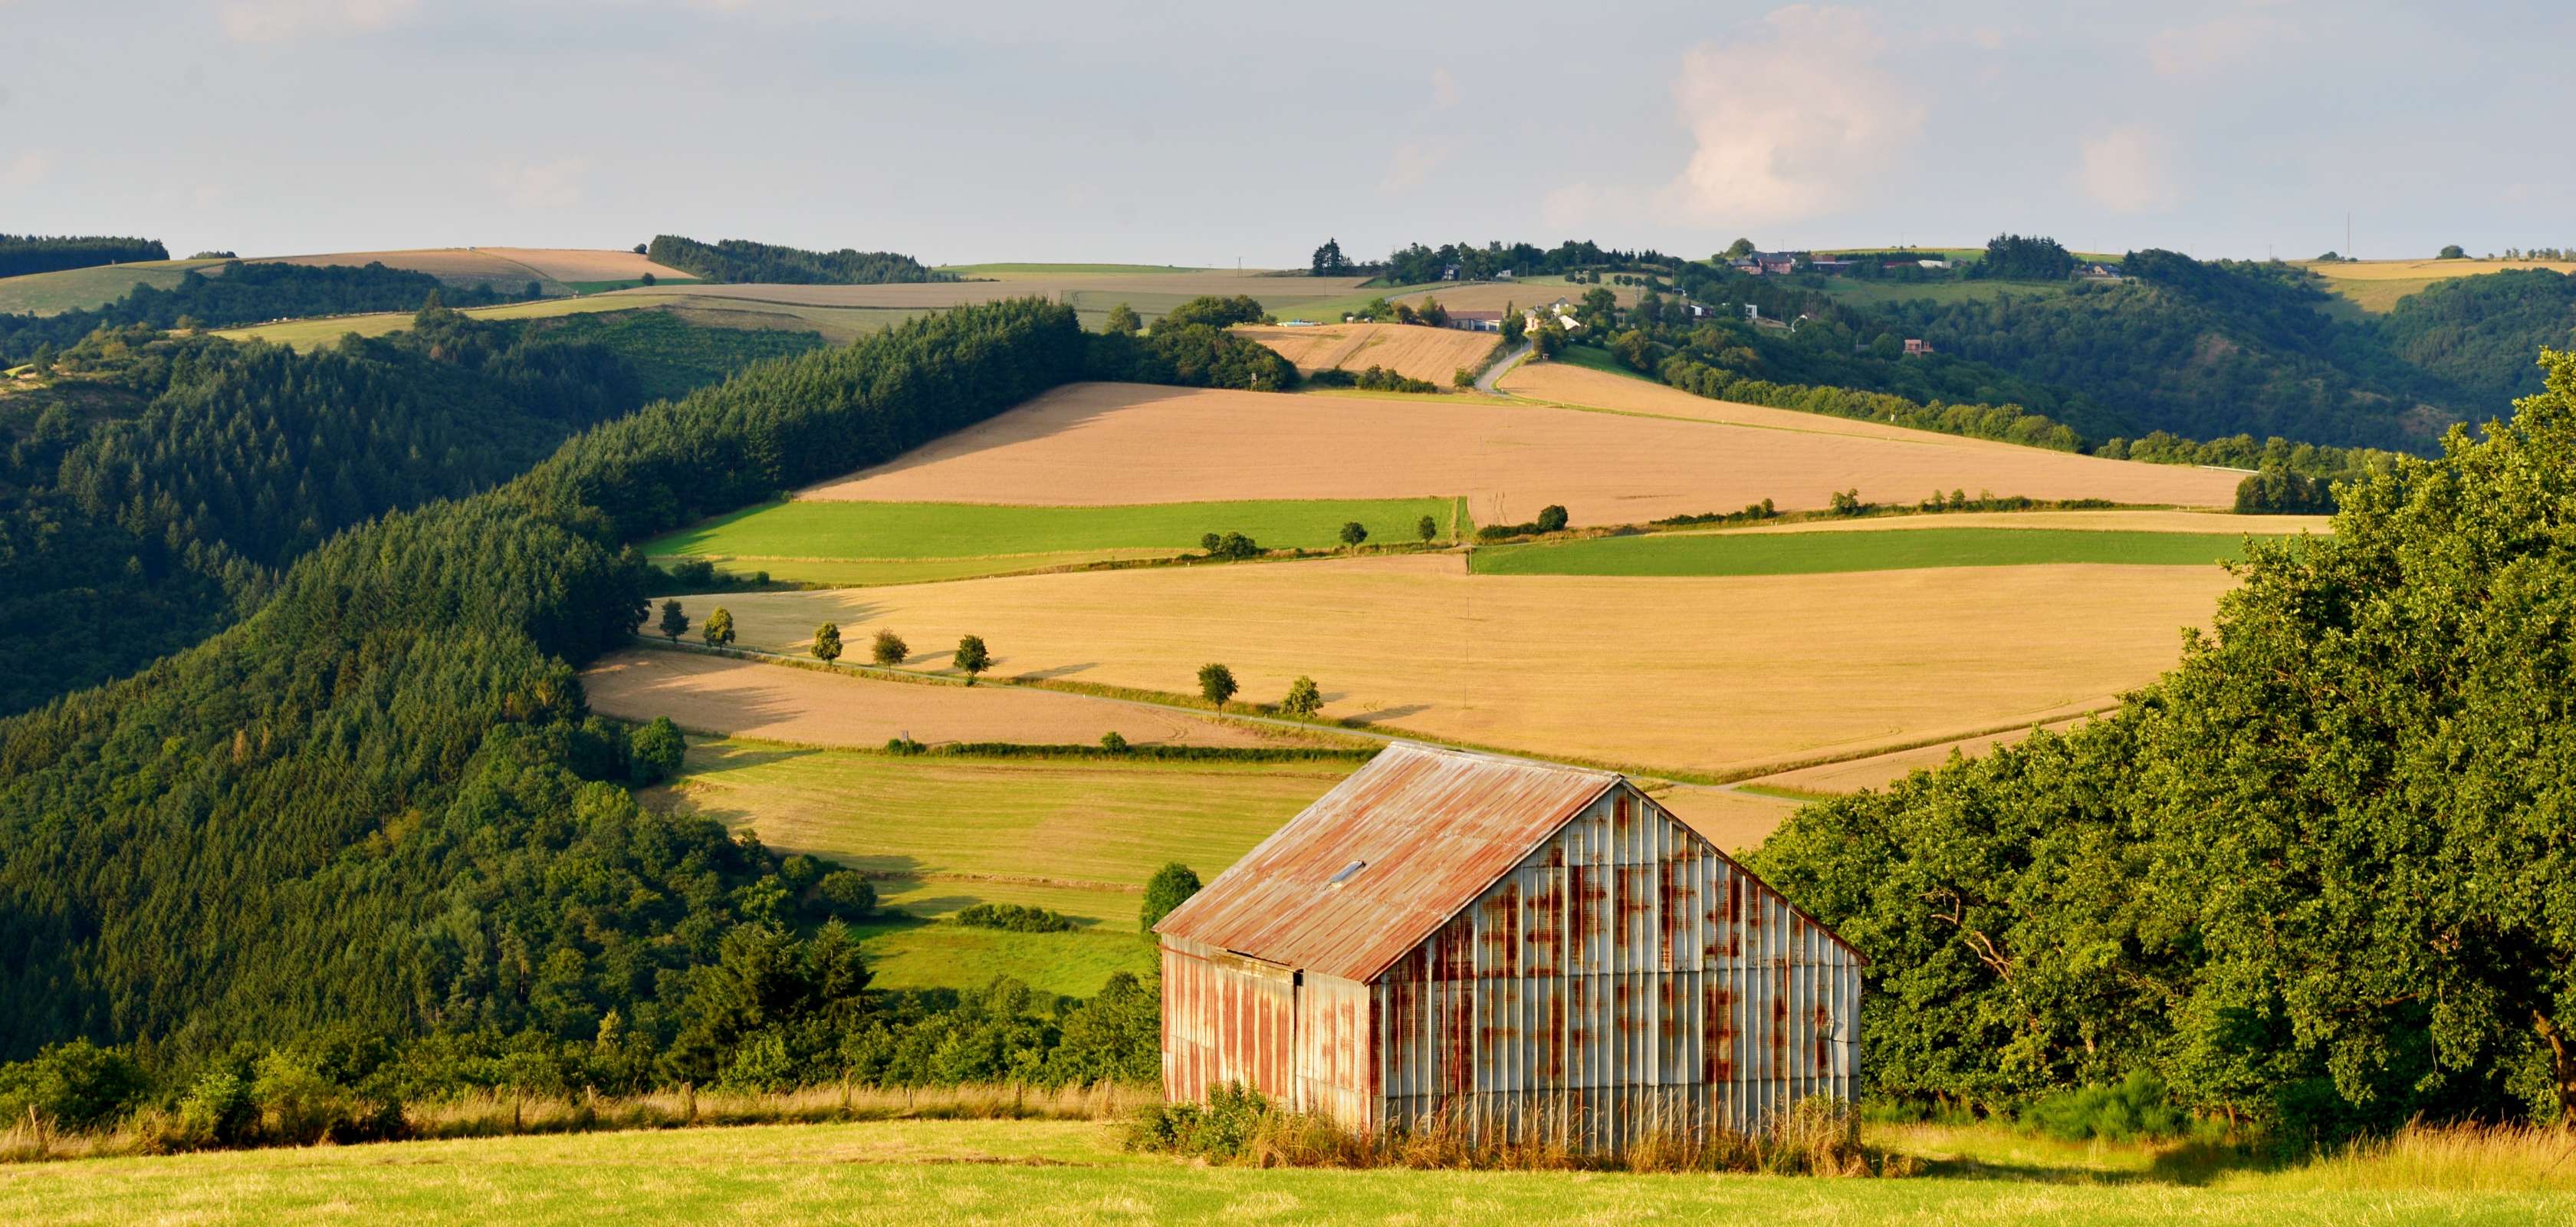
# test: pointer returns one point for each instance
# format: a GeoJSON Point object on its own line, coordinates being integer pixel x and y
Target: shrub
{"type": "Point", "coordinates": [1113, 742]}
{"type": "Point", "coordinates": [78, 1085]}
{"type": "Point", "coordinates": [1551, 518]}
{"type": "Point", "coordinates": [889, 649]}
{"type": "Point", "coordinates": [846, 894]}
{"type": "Point", "coordinates": [2136, 1107]}
{"type": "Point", "coordinates": [1014, 918]}
{"type": "Point", "coordinates": [1229, 545]}
{"type": "Point", "coordinates": [655, 751]}
{"type": "Point", "coordinates": [904, 745]}
{"type": "Point", "coordinates": [1426, 528]}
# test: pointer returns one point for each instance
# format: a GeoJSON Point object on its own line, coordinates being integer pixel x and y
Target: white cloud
{"type": "Point", "coordinates": [2129, 170]}
{"type": "Point", "coordinates": [2197, 50]}
{"type": "Point", "coordinates": [270, 21]}
{"type": "Point", "coordinates": [1444, 88]}
{"type": "Point", "coordinates": [1793, 116]}
{"type": "Point", "coordinates": [548, 185]}
{"type": "Point", "coordinates": [1412, 164]}
{"type": "Point", "coordinates": [27, 169]}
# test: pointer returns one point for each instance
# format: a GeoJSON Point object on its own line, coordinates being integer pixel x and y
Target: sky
{"type": "Point", "coordinates": [1205, 134]}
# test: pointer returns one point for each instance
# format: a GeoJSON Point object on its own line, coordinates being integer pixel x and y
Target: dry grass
{"type": "Point", "coordinates": [2376, 285]}
{"type": "Point", "coordinates": [577, 264]}
{"type": "Point", "coordinates": [1707, 675]}
{"type": "Point", "coordinates": [456, 265]}
{"type": "Point", "coordinates": [1881, 770]}
{"type": "Point", "coordinates": [2112, 520]}
{"type": "Point", "coordinates": [2464, 1158]}
{"type": "Point", "coordinates": [812, 707]}
{"type": "Point", "coordinates": [1734, 820]}
{"type": "Point", "coordinates": [1149, 293]}
{"type": "Point", "coordinates": [1413, 351]}
{"type": "Point", "coordinates": [1080, 446]}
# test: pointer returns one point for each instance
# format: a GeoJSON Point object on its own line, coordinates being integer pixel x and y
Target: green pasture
{"type": "Point", "coordinates": [936, 834]}
{"type": "Point", "coordinates": [820, 541]}
{"type": "Point", "coordinates": [1006, 270]}
{"type": "Point", "coordinates": [1892, 549]}
{"type": "Point", "coordinates": [958, 1172]}
{"type": "Point", "coordinates": [80, 289]}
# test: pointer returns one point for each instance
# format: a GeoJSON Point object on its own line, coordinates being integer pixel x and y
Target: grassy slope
{"type": "Point", "coordinates": [1006, 270]}
{"type": "Point", "coordinates": [959, 1172]}
{"type": "Point", "coordinates": [1076, 836]}
{"type": "Point", "coordinates": [2374, 286]}
{"type": "Point", "coordinates": [841, 542]}
{"type": "Point", "coordinates": [78, 289]}
{"type": "Point", "coordinates": [837, 324]}
{"type": "Point", "coordinates": [1821, 553]}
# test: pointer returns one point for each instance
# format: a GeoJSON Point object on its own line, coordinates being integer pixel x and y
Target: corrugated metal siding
{"type": "Point", "coordinates": [1225, 1019]}
{"type": "Point", "coordinates": [1333, 1067]}
{"type": "Point", "coordinates": [1624, 977]}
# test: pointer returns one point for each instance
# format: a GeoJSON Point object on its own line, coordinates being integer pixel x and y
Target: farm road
{"type": "Point", "coordinates": [1485, 382]}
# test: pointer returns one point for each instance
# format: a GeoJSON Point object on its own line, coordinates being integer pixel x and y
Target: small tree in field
{"type": "Point", "coordinates": [1353, 532]}
{"type": "Point", "coordinates": [1123, 321]}
{"type": "Point", "coordinates": [1171, 886]}
{"type": "Point", "coordinates": [719, 628]}
{"type": "Point", "coordinates": [1463, 378]}
{"type": "Point", "coordinates": [1427, 528]}
{"type": "Point", "coordinates": [889, 648]}
{"type": "Point", "coordinates": [1216, 684]}
{"type": "Point", "coordinates": [827, 642]}
{"type": "Point", "coordinates": [1551, 519]}
{"type": "Point", "coordinates": [972, 658]}
{"type": "Point", "coordinates": [674, 622]}
{"type": "Point", "coordinates": [1304, 699]}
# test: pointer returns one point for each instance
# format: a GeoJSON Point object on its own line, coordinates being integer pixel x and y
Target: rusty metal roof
{"type": "Point", "coordinates": [1428, 829]}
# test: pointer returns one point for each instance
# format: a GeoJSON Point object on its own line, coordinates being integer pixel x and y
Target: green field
{"type": "Point", "coordinates": [1076, 836]}
{"type": "Point", "coordinates": [79, 289]}
{"type": "Point", "coordinates": [1813, 553]}
{"type": "Point", "coordinates": [1074, 1172]}
{"type": "Point", "coordinates": [816, 541]}
{"type": "Point", "coordinates": [837, 324]}
{"type": "Point", "coordinates": [1007, 270]}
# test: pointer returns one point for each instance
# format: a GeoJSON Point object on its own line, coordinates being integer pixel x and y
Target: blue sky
{"type": "Point", "coordinates": [1203, 133]}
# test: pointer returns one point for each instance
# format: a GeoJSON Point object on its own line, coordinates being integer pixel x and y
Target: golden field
{"type": "Point", "coordinates": [2376, 285]}
{"type": "Point", "coordinates": [1082, 445]}
{"type": "Point", "coordinates": [1732, 676]}
{"type": "Point", "coordinates": [1411, 350]}
{"type": "Point", "coordinates": [810, 707]}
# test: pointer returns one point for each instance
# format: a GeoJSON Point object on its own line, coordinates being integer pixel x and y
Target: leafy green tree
{"type": "Point", "coordinates": [1462, 378]}
{"type": "Point", "coordinates": [1551, 518]}
{"type": "Point", "coordinates": [1329, 260]}
{"type": "Point", "coordinates": [646, 279]}
{"type": "Point", "coordinates": [1114, 741]}
{"type": "Point", "coordinates": [1600, 309]}
{"type": "Point", "coordinates": [655, 750]}
{"type": "Point", "coordinates": [2452, 252]}
{"type": "Point", "coordinates": [1212, 311]}
{"type": "Point", "coordinates": [1304, 699]}
{"type": "Point", "coordinates": [674, 622]}
{"type": "Point", "coordinates": [1123, 321]}
{"type": "Point", "coordinates": [1737, 250]}
{"type": "Point", "coordinates": [971, 658]}
{"type": "Point", "coordinates": [847, 894]}
{"type": "Point", "coordinates": [1353, 532]}
{"type": "Point", "coordinates": [1426, 528]}
{"type": "Point", "coordinates": [1216, 684]}
{"type": "Point", "coordinates": [827, 642]}
{"type": "Point", "coordinates": [889, 648]}
{"type": "Point", "coordinates": [1171, 886]}
{"type": "Point", "coordinates": [719, 627]}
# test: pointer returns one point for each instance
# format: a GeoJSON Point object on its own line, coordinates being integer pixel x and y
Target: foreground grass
{"type": "Point", "coordinates": [1823, 553]}
{"type": "Point", "coordinates": [977, 1171]}
{"type": "Point", "coordinates": [820, 541]}
{"type": "Point", "coordinates": [1076, 836]}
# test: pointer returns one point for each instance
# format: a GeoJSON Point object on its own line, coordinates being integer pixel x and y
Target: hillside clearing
{"type": "Point", "coordinates": [961, 1172]}
{"type": "Point", "coordinates": [1817, 553]}
{"type": "Point", "coordinates": [1704, 675]}
{"type": "Point", "coordinates": [1080, 446]}
{"type": "Point", "coordinates": [815, 541]}
{"type": "Point", "coordinates": [811, 707]}
{"type": "Point", "coordinates": [1414, 351]}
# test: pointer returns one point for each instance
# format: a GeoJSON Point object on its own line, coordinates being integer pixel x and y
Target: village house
{"type": "Point", "coordinates": [1505, 945]}
{"type": "Point", "coordinates": [1477, 321]}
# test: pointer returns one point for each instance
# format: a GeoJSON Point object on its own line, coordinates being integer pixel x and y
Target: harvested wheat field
{"type": "Point", "coordinates": [1150, 293]}
{"type": "Point", "coordinates": [455, 265]}
{"type": "Point", "coordinates": [1082, 445]}
{"type": "Point", "coordinates": [1412, 350]}
{"type": "Point", "coordinates": [1881, 770]}
{"type": "Point", "coordinates": [1735, 821]}
{"type": "Point", "coordinates": [744, 698]}
{"type": "Point", "coordinates": [2376, 285]}
{"type": "Point", "coordinates": [2108, 520]}
{"type": "Point", "coordinates": [1722, 675]}
{"type": "Point", "coordinates": [580, 264]}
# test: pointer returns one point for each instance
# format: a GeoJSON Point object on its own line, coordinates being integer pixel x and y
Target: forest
{"type": "Point", "coordinates": [36, 253]}
{"type": "Point", "coordinates": [741, 260]}
{"type": "Point", "coordinates": [151, 494]}
{"type": "Point", "coordinates": [243, 294]}
{"type": "Point", "coordinates": [2315, 877]}
{"type": "Point", "coordinates": [369, 832]}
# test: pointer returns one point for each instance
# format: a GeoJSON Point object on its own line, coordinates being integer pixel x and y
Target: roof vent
{"type": "Point", "coordinates": [1348, 872]}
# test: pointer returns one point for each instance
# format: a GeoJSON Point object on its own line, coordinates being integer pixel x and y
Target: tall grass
{"type": "Point", "coordinates": [502, 1114]}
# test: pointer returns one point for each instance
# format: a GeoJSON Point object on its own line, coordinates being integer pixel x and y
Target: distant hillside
{"type": "Point", "coordinates": [31, 253]}
{"type": "Point", "coordinates": [244, 294]}
{"type": "Point", "coordinates": [741, 260]}
{"type": "Point", "coordinates": [2481, 332]}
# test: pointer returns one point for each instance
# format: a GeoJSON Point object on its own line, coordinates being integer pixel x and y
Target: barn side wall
{"type": "Point", "coordinates": [1625, 978]}
{"type": "Point", "coordinates": [1226, 1018]}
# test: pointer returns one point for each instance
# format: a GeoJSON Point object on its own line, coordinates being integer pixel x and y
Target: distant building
{"type": "Point", "coordinates": [1516, 948]}
{"type": "Point", "coordinates": [1932, 264]}
{"type": "Point", "coordinates": [1477, 321]}
{"type": "Point", "coordinates": [1831, 268]}
{"type": "Point", "coordinates": [2099, 272]}
{"type": "Point", "coordinates": [1449, 272]}
{"type": "Point", "coordinates": [1917, 345]}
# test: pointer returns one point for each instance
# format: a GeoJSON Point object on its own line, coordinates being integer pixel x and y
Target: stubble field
{"type": "Point", "coordinates": [1412, 350]}
{"type": "Point", "coordinates": [2376, 285]}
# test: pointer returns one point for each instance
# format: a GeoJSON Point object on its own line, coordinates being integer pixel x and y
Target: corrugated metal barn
{"type": "Point", "coordinates": [1504, 944]}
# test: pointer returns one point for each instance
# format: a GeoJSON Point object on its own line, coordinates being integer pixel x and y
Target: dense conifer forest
{"type": "Point", "coordinates": [36, 253]}
{"type": "Point", "coordinates": [744, 260]}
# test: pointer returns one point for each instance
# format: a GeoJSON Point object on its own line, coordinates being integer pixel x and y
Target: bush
{"type": "Point", "coordinates": [655, 751]}
{"type": "Point", "coordinates": [1551, 519]}
{"type": "Point", "coordinates": [1229, 545]}
{"type": "Point", "coordinates": [2135, 1108]}
{"type": "Point", "coordinates": [1014, 918]}
{"type": "Point", "coordinates": [846, 894]}
{"type": "Point", "coordinates": [1219, 1131]}
{"type": "Point", "coordinates": [1113, 742]}
{"type": "Point", "coordinates": [78, 1085]}
{"type": "Point", "coordinates": [889, 649]}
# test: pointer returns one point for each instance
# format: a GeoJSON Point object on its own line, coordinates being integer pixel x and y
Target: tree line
{"type": "Point", "coordinates": [244, 294]}
{"type": "Point", "coordinates": [21, 254]}
{"type": "Point", "coordinates": [741, 260]}
{"type": "Point", "coordinates": [2317, 878]}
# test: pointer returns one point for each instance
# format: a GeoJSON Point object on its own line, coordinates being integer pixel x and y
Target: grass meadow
{"type": "Point", "coordinates": [1827, 552]}
{"type": "Point", "coordinates": [1076, 836]}
{"type": "Point", "coordinates": [79, 289]}
{"type": "Point", "coordinates": [835, 542]}
{"type": "Point", "coordinates": [1075, 1172]}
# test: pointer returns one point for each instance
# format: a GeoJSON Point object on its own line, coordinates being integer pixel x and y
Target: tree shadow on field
{"type": "Point", "coordinates": [1041, 675]}
{"type": "Point", "coordinates": [1389, 713]}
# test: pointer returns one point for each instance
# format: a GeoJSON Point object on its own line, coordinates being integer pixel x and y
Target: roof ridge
{"type": "Point", "coordinates": [1497, 756]}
